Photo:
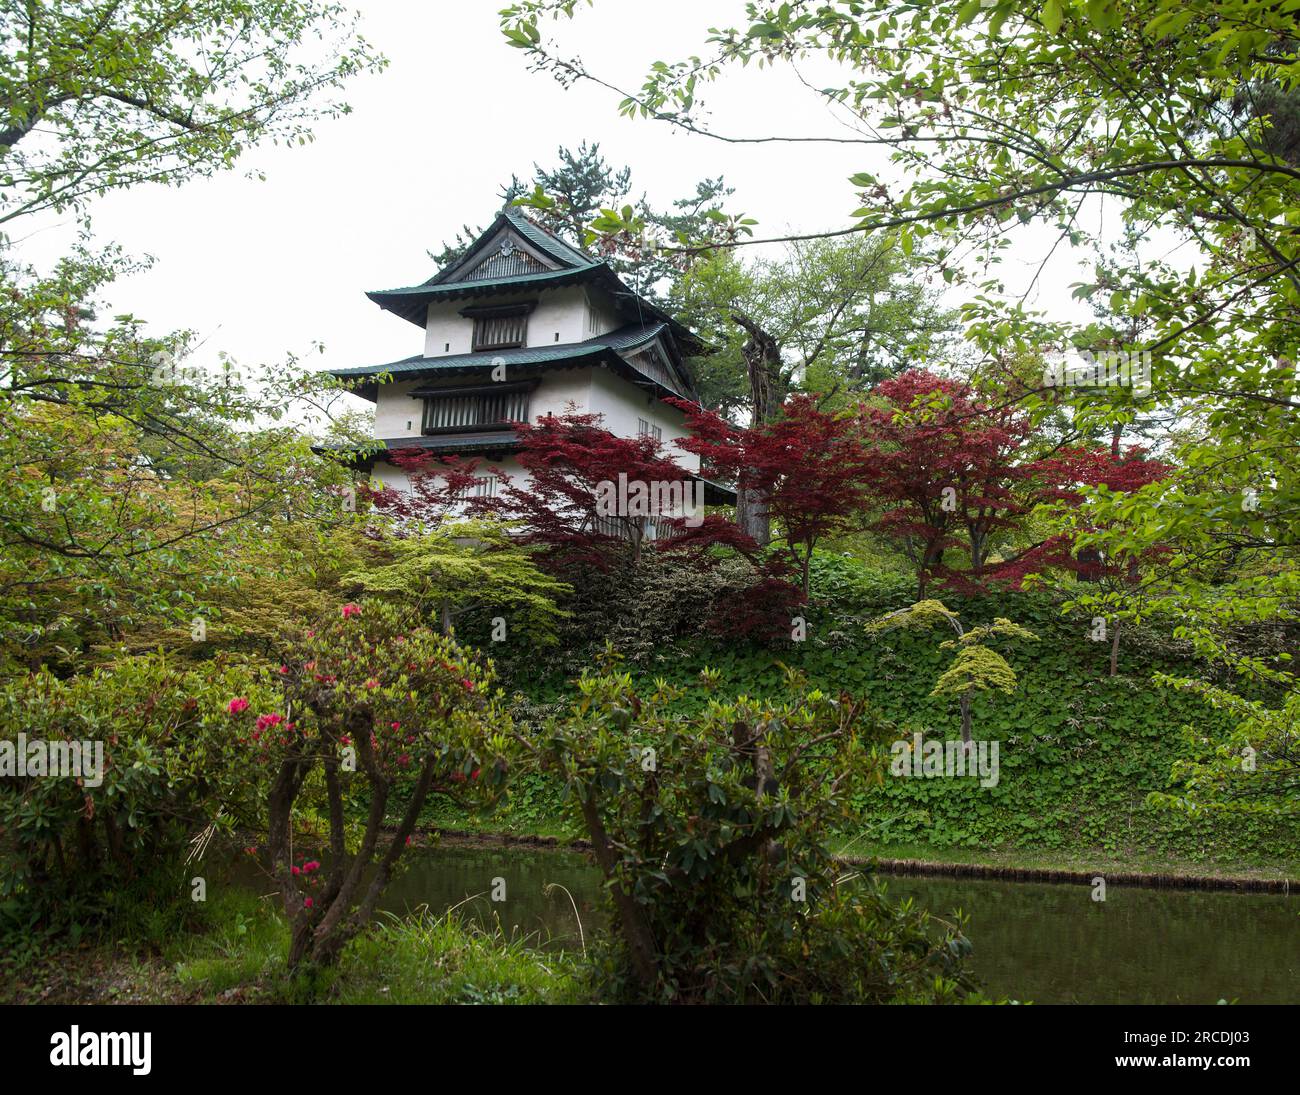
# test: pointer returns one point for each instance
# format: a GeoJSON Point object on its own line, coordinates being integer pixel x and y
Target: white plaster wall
{"type": "Point", "coordinates": [384, 474]}
{"type": "Point", "coordinates": [559, 388]}
{"type": "Point", "coordinates": [561, 312]}
{"type": "Point", "coordinates": [622, 403]}
{"type": "Point", "coordinates": [394, 408]}
{"type": "Point", "coordinates": [392, 476]}
{"type": "Point", "coordinates": [445, 332]}
{"type": "Point", "coordinates": [560, 317]}
{"type": "Point", "coordinates": [601, 308]}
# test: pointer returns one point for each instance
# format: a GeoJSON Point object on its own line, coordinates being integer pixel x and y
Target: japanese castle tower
{"type": "Point", "coordinates": [526, 325]}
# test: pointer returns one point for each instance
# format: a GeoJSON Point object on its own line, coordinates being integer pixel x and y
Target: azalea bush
{"type": "Point", "coordinates": [371, 707]}
{"type": "Point", "coordinates": [710, 831]}
{"type": "Point", "coordinates": [171, 772]}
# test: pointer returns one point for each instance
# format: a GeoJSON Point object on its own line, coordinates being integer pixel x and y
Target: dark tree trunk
{"type": "Point", "coordinates": [752, 516]}
{"type": "Point", "coordinates": [762, 355]}
{"type": "Point", "coordinates": [636, 931]}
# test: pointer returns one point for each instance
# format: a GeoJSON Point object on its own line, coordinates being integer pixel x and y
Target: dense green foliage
{"type": "Point", "coordinates": [171, 773]}
{"type": "Point", "coordinates": [711, 829]}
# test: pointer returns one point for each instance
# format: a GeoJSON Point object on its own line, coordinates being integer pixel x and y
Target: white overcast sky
{"type": "Point", "coordinates": [260, 269]}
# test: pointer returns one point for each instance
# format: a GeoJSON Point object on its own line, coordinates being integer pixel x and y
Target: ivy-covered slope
{"type": "Point", "coordinates": [1079, 751]}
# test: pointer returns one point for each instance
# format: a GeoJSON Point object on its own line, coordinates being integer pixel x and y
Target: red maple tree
{"type": "Point", "coordinates": [949, 468]}
{"type": "Point", "coordinates": [437, 487]}
{"type": "Point", "coordinates": [808, 468]}
{"type": "Point", "coordinates": [1069, 472]}
{"type": "Point", "coordinates": [570, 461]}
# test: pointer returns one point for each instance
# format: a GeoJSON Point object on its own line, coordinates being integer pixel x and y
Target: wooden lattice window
{"type": "Point", "coordinates": [504, 327]}
{"type": "Point", "coordinates": [457, 409]}
{"type": "Point", "coordinates": [485, 486]}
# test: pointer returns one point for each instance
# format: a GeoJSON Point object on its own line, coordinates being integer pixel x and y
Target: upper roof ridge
{"type": "Point", "coordinates": [527, 224]}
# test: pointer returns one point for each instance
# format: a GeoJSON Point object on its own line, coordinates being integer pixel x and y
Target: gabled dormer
{"type": "Point", "coordinates": [512, 247]}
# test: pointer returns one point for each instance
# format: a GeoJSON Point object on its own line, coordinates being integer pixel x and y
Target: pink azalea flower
{"type": "Point", "coordinates": [307, 902]}
{"type": "Point", "coordinates": [351, 610]}
{"type": "Point", "coordinates": [237, 705]}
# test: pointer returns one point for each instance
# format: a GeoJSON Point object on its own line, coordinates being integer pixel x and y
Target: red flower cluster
{"type": "Point", "coordinates": [237, 705]}
{"type": "Point", "coordinates": [351, 610]}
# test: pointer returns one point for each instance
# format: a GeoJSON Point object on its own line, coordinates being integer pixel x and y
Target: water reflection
{"type": "Point", "coordinates": [1046, 943]}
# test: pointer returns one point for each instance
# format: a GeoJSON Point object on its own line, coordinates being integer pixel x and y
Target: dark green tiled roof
{"type": "Point", "coordinates": [410, 303]}
{"type": "Point", "coordinates": [476, 288]}
{"type": "Point", "coordinates": [419, 365]}
{"type": "Point", "coordinates": [625, 338]}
